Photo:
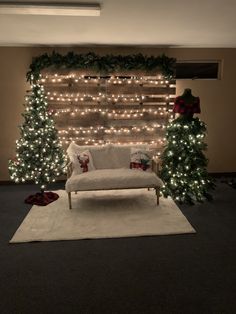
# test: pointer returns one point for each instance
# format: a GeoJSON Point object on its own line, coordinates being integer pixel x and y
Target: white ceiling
{"type": "Point", "coordinates": [172, 23]}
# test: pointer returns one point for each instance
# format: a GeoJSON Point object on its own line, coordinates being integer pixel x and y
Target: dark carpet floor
{"type": "Point", "coordinates": [194, 273]}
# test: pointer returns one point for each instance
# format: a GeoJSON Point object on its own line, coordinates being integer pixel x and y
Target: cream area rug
{"type": "Point", "coordinates": [103, 214]}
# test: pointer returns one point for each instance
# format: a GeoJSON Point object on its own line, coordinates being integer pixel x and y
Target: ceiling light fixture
{"type": "Point", "coordinates": [54, 9]}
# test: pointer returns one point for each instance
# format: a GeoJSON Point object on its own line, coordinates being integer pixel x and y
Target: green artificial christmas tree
{"type": "Point", "coordinates": [184, 165]}
{"type": "Point", "coordinates": [39, 155]}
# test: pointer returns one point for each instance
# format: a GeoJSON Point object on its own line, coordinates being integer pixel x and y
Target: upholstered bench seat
{"type": "Point", "coordinates": [105, 179]}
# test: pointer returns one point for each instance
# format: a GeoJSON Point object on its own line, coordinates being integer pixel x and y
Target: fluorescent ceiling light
{"type": "Point", "coordinates": [64, 9]}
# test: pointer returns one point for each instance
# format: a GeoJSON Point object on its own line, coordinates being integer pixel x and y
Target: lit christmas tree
{"type": "Point", "coordinates": [184, 165]}
{"type": "Point", "coordinates": [39, 155]}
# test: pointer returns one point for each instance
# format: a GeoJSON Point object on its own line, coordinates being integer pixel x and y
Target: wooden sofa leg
{"type": "Point", "coordinates": [69, 198]}
{"type": "Point", "coordinates": [157, 194]}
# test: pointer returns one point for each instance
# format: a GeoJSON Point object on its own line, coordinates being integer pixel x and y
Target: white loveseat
{"type": "Point", "coordinates": [107, 168]}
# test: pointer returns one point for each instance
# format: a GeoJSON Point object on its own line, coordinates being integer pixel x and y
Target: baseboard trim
{"type": "Point", "coordinates": [223, 174]}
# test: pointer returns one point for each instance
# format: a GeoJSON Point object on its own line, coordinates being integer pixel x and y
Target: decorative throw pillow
{"type": "Point", "coordinates": [141, 159]}
{"type": "Point", "coordinates": [85, 161]}
{"type": "Point", "coordinates": [73, 151]}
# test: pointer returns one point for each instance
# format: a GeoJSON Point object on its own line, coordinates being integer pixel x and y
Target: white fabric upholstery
{"type": "Point", "coordinates": [102, 157]}
{"type": "Point", "coordinates": [112, 179]}
{"type": "Point", "coordinates": [110, 156]}
{"type": "Point", "coordinates": [120, 156]}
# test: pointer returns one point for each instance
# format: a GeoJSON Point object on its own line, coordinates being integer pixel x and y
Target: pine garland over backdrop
{"type": "Point", "coordinates": [102, 64]}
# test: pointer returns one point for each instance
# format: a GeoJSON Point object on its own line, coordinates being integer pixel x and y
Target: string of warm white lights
{"type": "Point", "coordinates": [110, 103]}
{"type": "Point", "coordinates": [92, 141]}
{"type": "Point", "coordinates": [159, 110]}
{"type": "Point", "coordinates": [58, 78]}
{"type": "Point", "coordinates": [111, 129]}
{"type": "Point", "coordinates": [113, 98]}
{"type": "Point", "coordinates": [111, 115]}
{"type": "Point", "coordinates": [57, 94]}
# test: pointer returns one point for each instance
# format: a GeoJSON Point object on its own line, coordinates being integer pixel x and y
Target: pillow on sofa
{"type": "Point", "coordinates": [140, 159]}
{"type": "Point", "coordinates": [85, 161]}
{"type": "Point", "coordinates": [73, 151]}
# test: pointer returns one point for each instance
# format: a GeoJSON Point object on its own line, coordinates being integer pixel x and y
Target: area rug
{"type": "Point", "coordinates": [103, 214]}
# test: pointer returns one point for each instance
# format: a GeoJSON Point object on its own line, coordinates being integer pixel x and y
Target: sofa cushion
{"type": "Point", "coordinates": [105, 179]}
{"type": "Point", "coordinates": [101, 157]}
{"type": "Point", "coordinates": [120, 156]}
{"type": "Point", "coordinates": [112, 156]}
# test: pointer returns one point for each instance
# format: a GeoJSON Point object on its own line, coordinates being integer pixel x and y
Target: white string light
{"type": "Point", "coordinates": [113, 114]}
{"type": "Point", "coordinates": [115, 80]}
{"type": "Point", "coordinates": [78, 104]}
{"type": "Point", "coordinates": [92, 141]}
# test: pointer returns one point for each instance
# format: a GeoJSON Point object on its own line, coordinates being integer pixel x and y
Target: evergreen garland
{"type": "Point", "coordinates": [184, 164]}
{"type": "Point", "coordinates": [101, 64]}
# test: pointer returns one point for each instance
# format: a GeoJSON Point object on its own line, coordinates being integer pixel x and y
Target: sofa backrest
{"type": "Point", "coordinates": [109, 156]}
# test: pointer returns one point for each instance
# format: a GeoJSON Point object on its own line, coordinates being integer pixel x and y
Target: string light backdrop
{"type": "Point", "coordinates": [120, 109]}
